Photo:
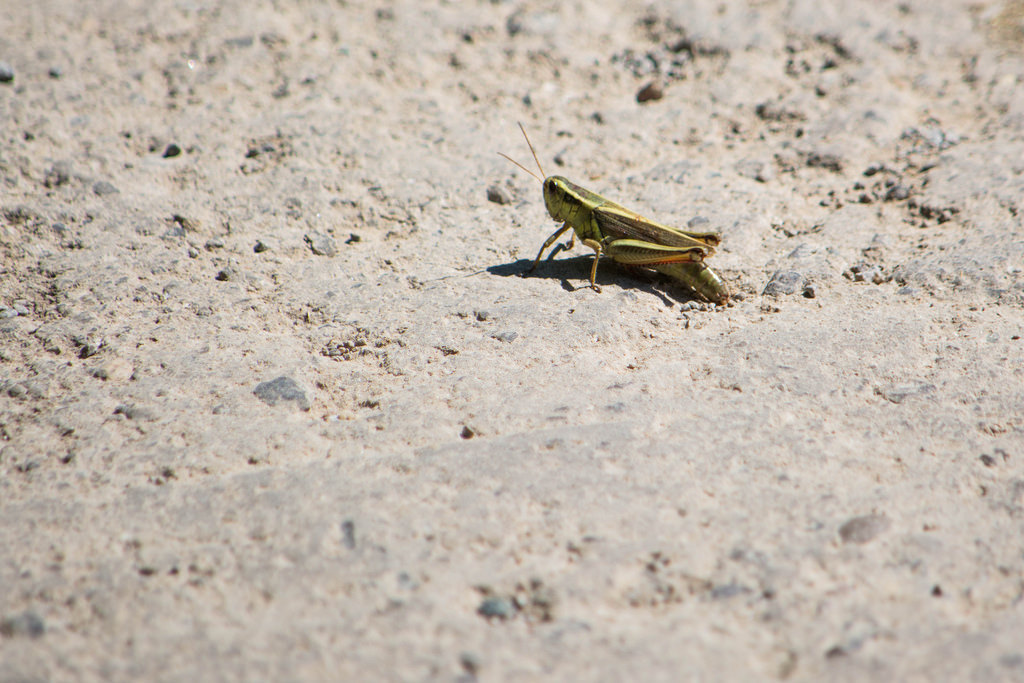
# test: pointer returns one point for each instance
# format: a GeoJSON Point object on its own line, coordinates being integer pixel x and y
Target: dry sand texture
{"type": "Point", "coordinates": [278, 404]}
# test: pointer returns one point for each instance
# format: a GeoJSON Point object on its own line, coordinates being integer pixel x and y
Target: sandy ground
{"type": "Point", "coordinates": [278, 402]}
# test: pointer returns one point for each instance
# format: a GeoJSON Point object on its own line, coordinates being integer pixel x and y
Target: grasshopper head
{"type": "Point", "coordinates": [557, 191]}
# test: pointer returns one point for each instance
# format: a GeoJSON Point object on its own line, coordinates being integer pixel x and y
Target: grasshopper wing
{"type": "Point", "coordinates": [616, 222]}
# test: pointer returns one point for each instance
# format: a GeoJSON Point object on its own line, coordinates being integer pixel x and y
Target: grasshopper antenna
{"type": "Point", "coordinates": [533, 152]}
{"type": "Point", "coordinates": [520, 166]}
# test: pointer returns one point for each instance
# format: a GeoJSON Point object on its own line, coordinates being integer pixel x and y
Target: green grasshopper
{"type": "Point", "coordinates": [626, 236]}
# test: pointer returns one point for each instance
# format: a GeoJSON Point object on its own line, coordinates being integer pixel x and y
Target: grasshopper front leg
{"type": "Point", "coordinates": [593, 244]}
{"type": "Point", "coordinates": [547, 243]}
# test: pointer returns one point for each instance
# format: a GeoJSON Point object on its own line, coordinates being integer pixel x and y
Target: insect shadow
{"type": "Point", "coordinates": [572, 269]}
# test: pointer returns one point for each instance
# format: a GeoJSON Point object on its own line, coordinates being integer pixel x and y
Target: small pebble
{"type": "Point", "coordinates": [320, 244]}
{"type": "Point", "coordinates": [282, 389]}
{"type": "Point", "coordinates": [172, 150]}
{"type": "Point", "coordinates": [470, 663]}
{"type": "Point", "coordinates": [261, 246]}
{"type": "Point", "coordinates": [784, 282]}
{"type": "Point", "coordinates": [863, 529]}
{"type": "Point", "coordinates": [103, 188]}
{"type": "Point", "coordinates": [348, 534]}
{"type": "Point", "coordinates": [55, 72]}
{"type": "Point", "coordinates": [651, 92]}
{"type": "Point", "coordinates": [507, 336]}
{"type": "Point", "coordinates": [497, 607]}
{"type": "Point", "coordinates": [6, 72]}
{"type": "Point", "coordinates": [897, 193]}
{"type": "Point", "coordinates": [214, 243]}
{"type": "Point", "coordinates": [498, 195]}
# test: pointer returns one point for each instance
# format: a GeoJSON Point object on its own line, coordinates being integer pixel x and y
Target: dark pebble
{"type": "Point", "coordinates": [651, 92]}
{"type": "Point", "coordinates": [55, 72]}
{"type": "Point", "coordinates": [261, 247]}
{"type": "Point", "coordinates": [6, 72]}
{"type": "Point", "coordinates": [172, 151]}
{"type": "Point", "coordinates": [863, 529]}
{"type": "Point", "coordinates": [498, 195]}
{"type": "Point", "coordinates": [225, 274]}
{"type": "Point", "coordinates": [282, 389]}
{"type": "Point", "coordinates": [497, 607]}
{"type": "Point", "coordinates": [987, 460]}
{"type": "Point", "coordinates": [348, 534]}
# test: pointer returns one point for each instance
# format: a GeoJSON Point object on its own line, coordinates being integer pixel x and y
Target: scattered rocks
{"type": "Point", "coordinates": [828, 161]}
{"type": "Point", "coordinates": [57, 175]}
{"type": "Point", "coordinates": [775, 111]}
{"type": "Point", "coordinates": [865, 272]}
{"type": "Point", "coordinates": [28, 624]}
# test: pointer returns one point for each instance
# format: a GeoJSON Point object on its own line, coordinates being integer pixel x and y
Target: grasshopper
{"type": "Point", "coordinates": [626, 236]}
